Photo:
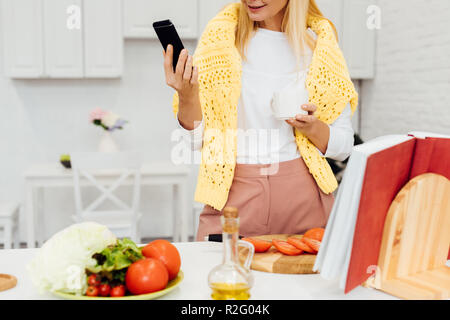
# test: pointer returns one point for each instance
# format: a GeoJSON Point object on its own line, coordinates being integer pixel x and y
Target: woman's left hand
{"type": "Point", "coordinates": [316, 131]}
{"type": "Point", "coordinates": [306, 124]}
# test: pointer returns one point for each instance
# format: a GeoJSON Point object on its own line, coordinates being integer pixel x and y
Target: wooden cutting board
{"type": "Point", "coordinates": [275, 262]}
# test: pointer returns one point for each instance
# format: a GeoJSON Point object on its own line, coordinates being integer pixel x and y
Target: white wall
{"type": "Point", "coordinates": [42, 119]}
{"type": "Point", "coordinates": [411, 89]}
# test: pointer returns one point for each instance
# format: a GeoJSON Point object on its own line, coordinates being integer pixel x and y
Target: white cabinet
{"type": "Point", "coordinates": [39, 42]}
{"type": "Point", "coordinates": [356, 40]}
{"type": "Point", "coordinates": [359, 41]}
{"type": "Point", "coordinates": [63, 46]}
{"type": "Point", "coordinates": [103, 41]}
{"type": "Point", "coordinates": [139, 16]}
{"type": "Point", "coordinates": [23, 36]}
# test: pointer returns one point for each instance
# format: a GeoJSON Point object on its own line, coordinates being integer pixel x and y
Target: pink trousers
{"type": "Point", "coordinates": [283, 199]}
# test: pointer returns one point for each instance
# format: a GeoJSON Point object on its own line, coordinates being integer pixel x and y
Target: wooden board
{"type": "Point", "coordinates": [416, 241]}
{"type": "Point", "coordinates": [7, 281]}
{"type": "Point", "coordinates": [276, 262]}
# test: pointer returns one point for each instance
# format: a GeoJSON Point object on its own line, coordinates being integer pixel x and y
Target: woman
{"type": "Point", "coordinates": [223, 95]}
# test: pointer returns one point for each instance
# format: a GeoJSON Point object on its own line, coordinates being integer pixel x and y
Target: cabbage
{"type": "Point", "coordinates": [61, 262]}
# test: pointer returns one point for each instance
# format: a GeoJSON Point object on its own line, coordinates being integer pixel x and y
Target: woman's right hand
{"type": "Point", "coordinates": [185, 81]}
{"type": "Point", "coordinates": [185, 78]}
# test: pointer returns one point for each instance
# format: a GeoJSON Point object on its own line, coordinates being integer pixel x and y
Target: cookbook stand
{"type": "Point", "coordinates": [415, 243]}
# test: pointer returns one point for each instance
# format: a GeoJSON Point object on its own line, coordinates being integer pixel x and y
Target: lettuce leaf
{"type": "Point", "coordinates": [116, 258]}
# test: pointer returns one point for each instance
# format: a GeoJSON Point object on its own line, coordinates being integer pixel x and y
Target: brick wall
{"type": "Point", "coordinates": [411, 89]}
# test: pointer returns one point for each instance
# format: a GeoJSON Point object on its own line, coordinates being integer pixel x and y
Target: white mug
{"type": "Point", "coordinates": [287, 102]}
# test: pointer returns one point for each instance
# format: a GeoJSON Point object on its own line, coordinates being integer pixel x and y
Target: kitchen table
{"type": "Point", "coordinates": [198, 258]}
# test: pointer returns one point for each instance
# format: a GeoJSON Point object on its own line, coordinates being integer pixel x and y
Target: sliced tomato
{"type": "Point", "coordinates": [313, 243]}
{"type": "Point", "coordinates": [300, 244]}
{"type": "Point", "coordinates": [286, 248]}
{"type": "Point", "coordinates": [315, 233]}
{"type": "Point", "coordinates": [260, 245]}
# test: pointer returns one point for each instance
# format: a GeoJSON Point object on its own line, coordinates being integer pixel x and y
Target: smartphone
{"type": "Point", "coordinates": [216, 238]}
{"type": "Point", "coordinates": [167, 34]}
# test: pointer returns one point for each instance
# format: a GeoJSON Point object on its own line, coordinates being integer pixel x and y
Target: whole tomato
{"type": "Point", "coordinates": [92, 291]}
{"type": "Point", "coordinates": [165, 252]}
{"type": "Point", "coordinates": [94, 280]}
{"type": "Point", "coordinates": [146, 276]}
{"type": "Point", "coordinates": [117, 291]}
{"type": "Point", "coordinates": [104, 289]}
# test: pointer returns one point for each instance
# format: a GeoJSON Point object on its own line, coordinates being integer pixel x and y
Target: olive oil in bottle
{"type": "Point", "coordinates": [231, 280]}
{"type": "Point", "coordinates": [229, 291]}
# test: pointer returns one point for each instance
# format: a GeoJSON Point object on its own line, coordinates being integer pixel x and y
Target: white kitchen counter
{"type": "Point", "coordinates": [197, 259]}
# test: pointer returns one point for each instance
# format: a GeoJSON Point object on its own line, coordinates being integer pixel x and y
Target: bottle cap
{"type": "Point", "coordinates": [230, 212]}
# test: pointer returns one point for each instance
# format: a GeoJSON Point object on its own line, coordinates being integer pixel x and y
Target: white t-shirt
{"type": "Point", "coordinates": [261, 138]}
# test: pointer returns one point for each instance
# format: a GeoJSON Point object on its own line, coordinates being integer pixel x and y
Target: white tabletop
{"type": "Point", "coordinates": [56, 169]}
{"type": "Point", "coordinates": [198, 258]}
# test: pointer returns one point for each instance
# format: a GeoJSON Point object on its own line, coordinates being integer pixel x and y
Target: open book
{"type": "Point", "coordinates": [375, 173]}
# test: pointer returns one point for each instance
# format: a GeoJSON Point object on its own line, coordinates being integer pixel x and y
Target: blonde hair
{"type": "Point", "coordinates": [294, 25]}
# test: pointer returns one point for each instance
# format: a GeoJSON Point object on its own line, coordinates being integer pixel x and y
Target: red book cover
{"type": "Point", "coordinates": [386, 173]}
{"type": "Point", "coordinates": [431, 155]}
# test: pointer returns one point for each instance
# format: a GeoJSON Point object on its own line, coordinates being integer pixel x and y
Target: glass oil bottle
{"type": "Point", "coordinates": [231, 280]}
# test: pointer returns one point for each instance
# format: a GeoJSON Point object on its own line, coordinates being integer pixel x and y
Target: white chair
{"type": "Point", "coordinates": [9, 222]}
{"type": "Point", "coordinates": [113, 169]}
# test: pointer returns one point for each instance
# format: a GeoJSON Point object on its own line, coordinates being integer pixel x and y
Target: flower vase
{"type": "Point", "coordinates": [107, 143]}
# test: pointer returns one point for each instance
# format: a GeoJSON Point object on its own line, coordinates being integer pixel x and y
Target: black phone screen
{"type": "Point", "coordinates": [167, 34]}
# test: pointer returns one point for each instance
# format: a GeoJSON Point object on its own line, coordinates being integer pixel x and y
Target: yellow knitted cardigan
{"type": "Point", "coordinates": [220, 66]}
